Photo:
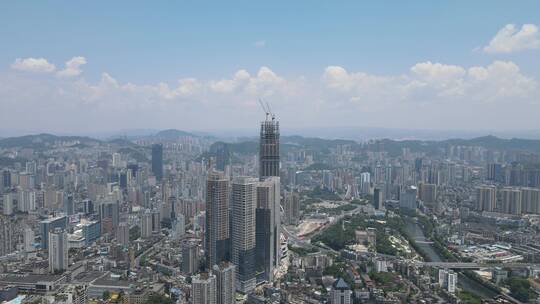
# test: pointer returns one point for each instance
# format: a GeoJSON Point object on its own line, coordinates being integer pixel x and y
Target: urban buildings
{"type": "Point", "coordinates": [244, 204]}
{"type": "Point", "coordinates": [58, 250]}
{"type": "Point", "coordinates": [486, 198]}
{"type": "Point", "coordinates": [204, 289]}
{"type": "Point", "coordinates": [268, 227]}
{"type": "Point", "coordinates": [225, 274]}
{"type": "Point", "coordinates": [340, 293]}
{"type": "Point", "coordinates": [269, 148]}
{"type": "Point", "coordinates": [217, 240]}
{"type": "Point", "coordinates": [157, 161]}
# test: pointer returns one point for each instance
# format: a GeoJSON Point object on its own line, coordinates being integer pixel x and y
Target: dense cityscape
{"type": "Point", "coordinates": [270, 152]}
{"type": "Point", "coordinates": [180, 218]}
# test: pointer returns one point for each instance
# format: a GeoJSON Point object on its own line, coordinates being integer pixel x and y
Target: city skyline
{"type": "Point", "coordinates": [431, 66]}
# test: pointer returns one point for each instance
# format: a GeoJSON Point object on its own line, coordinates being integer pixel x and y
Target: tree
{"type": "Point", "coordinates": [106, 295]}
{"type": "Point", "coordinates": [158, 299]}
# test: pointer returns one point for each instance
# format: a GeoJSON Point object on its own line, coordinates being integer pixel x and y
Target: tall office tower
{"type": "Point", "coordinates": [49, 225]}
{"type": "Point", "coordinates": [486, 198]}
{"type": "Point", "coordinates": [407, 199]}
{"type": "Point", "coordinates": [269, 148]}
{"type": "Point", "coordinates": [58, 251]}
{"type": "Point", "coordinates": [341, 292]}
{"type": "Point", "coordinates": [122, 234]}
{"type": "Point", "coordinates": [223, 156]}
{"type": "Point", "coordinates": [267, 231]}
{"type": "Point", "coordinates": [530, 200]}
{"type": "Point", "coordinates": [427, 193]}
{"type": "Point", "coordinates": [190, 258]}
{"type": "Point", "coordinates": [378, 198]}
{"type": "Point", "coordinates": [225, 274]}
{"type": "Point", "coordinates": [292, 208]}
{"type": "Point", "coordinates": [511, 201]}
{"type": "Point", "coordinates": [146, 224]}
{"type": "Point", "coordinates": [217, 241]}
{"type": "Point", "coordinates": [157, 161]}
{"type": "Point", "coordinates": [69, 204]}
{"type": "Point", "coordinates": [203, 287]}
{"type": "Point", "coordinates": [244, 203]}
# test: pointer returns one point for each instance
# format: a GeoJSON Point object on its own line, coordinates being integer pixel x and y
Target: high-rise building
{"type": "Point", "coordinates": [109, 213]}
{"type": "Point", "coordinates": [146, 224]}
{"type": "Point", "coordinates": [225, 274]}
{"type": "Point", "coordinates": [122, 234]}
{"type": "Point", "coordinates": [427, 193]}
{"type": "Point", "coordinates": [28, 237]}
{"type": "Point", "coordinates": [69, 204]}
{"type": "Point", "coordinates": [7, 231]}
{"type": "Point", "coordinates": [203, 288]}
{"type": "Point", "coordinates": [269, 148]}
{"type": "Point", "coordinates": [292, 208]}
{"type": "Point", "coordinates": [530, 200]}
{"type": "Point", "coordinates": [244, 203]}
{"type": "Point", "coordinates": [495, 172]}
{"type": "Point", "coordinates": [58, 251]}
{"type": "Point", "coordinates": [341, 292]}
{"type": "Point", "coordinates": [486, 198]}
{"type": "Point", "coordinates": [365, 182]}
{"type": "Point", "coordinates": [378, 198]}
{"type": "Point", "coordinates": [223, 156]}
{"type": "Point", "coordinates": [157, 161]}
{"type": "Point", "coordinates": [190, 258]}
{"type": "Point", "coordinates": [217, 241]}
{"type": "Point", "coordinates": [268, 225]}
{"type": "Point", "coordinates": [178, 228]}
{"type": "Point", "coordinates": [49, 225]}
{"type": "Point", "coordinates": [511, 201]}
{"type": "Point", "coordinates": [452, 281]}
{"type": "Point", "coordinates": [407, 199]}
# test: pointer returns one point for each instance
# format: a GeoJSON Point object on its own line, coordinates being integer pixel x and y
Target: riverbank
{"type": "Point", "coordinates": [424, 247]}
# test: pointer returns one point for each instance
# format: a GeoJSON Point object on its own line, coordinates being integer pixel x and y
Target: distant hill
{"type": "Point", "coordinates": [489, 142]}
{"type": "Point", "coordinates": [172, 134]}
{"type": "Point", "coordinates": [43, 140]}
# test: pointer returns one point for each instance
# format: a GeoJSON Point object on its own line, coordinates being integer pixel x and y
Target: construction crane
{"type": "Point", "coordinates": [266, 108]}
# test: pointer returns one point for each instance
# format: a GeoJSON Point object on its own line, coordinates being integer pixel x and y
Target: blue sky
{"type": "Point", "coordinates": [147, 43]}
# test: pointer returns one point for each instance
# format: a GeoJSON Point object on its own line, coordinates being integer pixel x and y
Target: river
{"type": "Point", "coordinates": [416, 233]}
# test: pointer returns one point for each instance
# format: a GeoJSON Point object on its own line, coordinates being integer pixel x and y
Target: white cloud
{"type": "Point", "coordinates": [509, 39]}
{"type": "Point", "coordinates": [426, 92]}
{"type": "Point", "coordinates": [433, 82]}
{"type": "Point", "coordinates": [260, 44]}
{"type": "Point", "coordinates": [36, 65]}
{"type": "Point", "coordinates": [73, 67]}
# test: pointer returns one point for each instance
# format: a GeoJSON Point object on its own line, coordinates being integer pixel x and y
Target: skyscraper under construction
{"type": "Point", "coordinates": [269, 148]}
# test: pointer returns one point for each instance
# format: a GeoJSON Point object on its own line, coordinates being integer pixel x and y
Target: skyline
{"type": "Point", "coordinates": [166, 66]}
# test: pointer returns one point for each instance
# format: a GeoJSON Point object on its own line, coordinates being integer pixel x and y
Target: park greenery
{"type": "Point", "coordinates": [322, 194]}
{"type": "Point", "coordinates": [521, 289]}
{"type": "Point", "coordinates": [389, 281]}
{"type": "Point", "coordinates": [469, 298]}
{"type": "Point", "coordinates": [342, 234]}
{"type": "Point", "coordinates": [158, 299]}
